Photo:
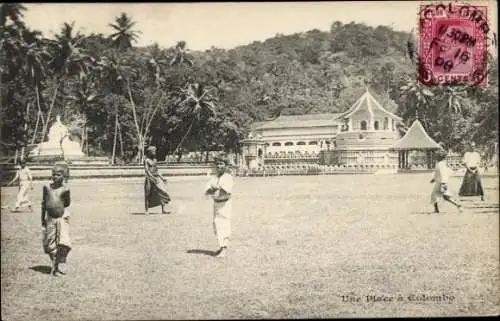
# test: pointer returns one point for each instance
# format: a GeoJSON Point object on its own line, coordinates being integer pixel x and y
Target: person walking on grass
{"type": "Point", "coordinates": [440, 180]}
{"type": "Point", "coordinates": [155, 190]}
{"type": "Point", "coordinates": [55, 219]}
{"type": "Point", "coordinates": [220, 188]}
{"type": "Point", "coordinates": [471, 184]}
{"type": "Point", "coordinates": [25, 184]}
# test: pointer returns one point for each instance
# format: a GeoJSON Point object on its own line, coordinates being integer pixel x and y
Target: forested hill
{"type": "Point", "coordinates": [120, 98]}
{"type": "Point", "coordinates": [314, 71]}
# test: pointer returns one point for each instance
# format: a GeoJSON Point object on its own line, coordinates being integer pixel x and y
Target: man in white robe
{"type": "Point", "coordinates": [220, 188]}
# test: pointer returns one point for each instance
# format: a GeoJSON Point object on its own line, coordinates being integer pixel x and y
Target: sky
{"type": "Point", "coordinates": [222, 25]}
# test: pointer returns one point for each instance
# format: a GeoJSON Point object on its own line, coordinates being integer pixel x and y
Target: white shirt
{"type": "Point", "coordinates": [225, 182]}
{"type": "Point", "coordinates": [441, 172]}
{"type": "Point", "coordinates": [472, 159]}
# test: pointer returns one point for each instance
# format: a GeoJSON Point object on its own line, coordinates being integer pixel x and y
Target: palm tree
{"type": "Point", "coordinates": [122, 40]}
{"type": "Point", "coordinates": [84, 96]}
{"type": "Point", "coordinates": [12, 11]}
{"type": "Point", "coordinates": [181, 55]}
{"type": "Point", "coordinates": [156, 60]}
{"type": "Point", "coordinates": [456, 100]}
{"type": "Point", "coordinates": [200, 103]}
{"type": "Point", "coordinates": [417, 97]}
{"type": "Point", "coordinates": [69, 59]}
{"type": "Point", "coordinates": [124, 35]}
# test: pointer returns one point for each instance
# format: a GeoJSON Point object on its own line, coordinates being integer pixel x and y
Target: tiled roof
{"type": "Point", "coordinates": [368, 102]}
{"type": "Point", "coordinates": [294, 121]}
{"type": "Point", "coordinates": [416, 138]}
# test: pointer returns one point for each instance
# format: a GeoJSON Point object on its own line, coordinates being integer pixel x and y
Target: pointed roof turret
{"type": "Point", "coordinates": [369, 103]}
{"type": "Point", "coordinates": [416, 138]}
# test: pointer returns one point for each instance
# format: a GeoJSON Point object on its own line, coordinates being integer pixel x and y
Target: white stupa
{"type": "Point", "coordinates": [59, 144]}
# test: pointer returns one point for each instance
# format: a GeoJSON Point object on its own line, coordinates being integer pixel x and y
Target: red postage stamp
{"type": "Point", "coordinates": [453, 44]}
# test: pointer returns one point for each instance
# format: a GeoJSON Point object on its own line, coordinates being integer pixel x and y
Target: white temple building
{"type": "Point", "coordinates": [364, 134]}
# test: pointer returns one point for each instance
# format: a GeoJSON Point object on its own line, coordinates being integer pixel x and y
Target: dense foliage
{"type": "Point", "coordinates": [118, 98]}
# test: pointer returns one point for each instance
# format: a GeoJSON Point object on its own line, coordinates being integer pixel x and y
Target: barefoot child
{"type": "Point", "coordinates": [55, 219]}
{"type": "Point", "coordinates": [220, 188]}
{"type": "Point", "coordinates": [25, 181]}
{"type": "Point", "coordinates": [441, 177]}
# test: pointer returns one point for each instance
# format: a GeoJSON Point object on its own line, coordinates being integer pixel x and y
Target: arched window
{"type": "Point", "coordinates": [260, 153]}
{"type": "Point", "coordinates": [289, 144]}
{"type": "Point", "coordinates": [386, 123]}
{"type": "Point", "coordinates": [375, 125]}
{"type": "Point", "coordinates": [266, 144]}
{"type": "Point", "coordinates": [363, 125]}
{"type": "Point", "coordinates": [301, 143]}
{"type": "Point", "coordinates": [276, 144]}
{"type": "Point", "coordinates": [313, 143]}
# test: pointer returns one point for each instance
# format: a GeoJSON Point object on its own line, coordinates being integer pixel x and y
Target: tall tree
{"type": "Point", "coordinates": [181, 55]}
{"type": "Point", "coordinates": [200, 103]}
{"type": "Point", "coordinates": [69, 59]}
{"type": "Point", "coordinates": [124, 35]}
{"type": "Point", "coordinates": [12, 12]}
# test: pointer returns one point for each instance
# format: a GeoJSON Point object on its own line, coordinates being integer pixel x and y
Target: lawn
{"type": "Point", "coordinates": [302, 247]}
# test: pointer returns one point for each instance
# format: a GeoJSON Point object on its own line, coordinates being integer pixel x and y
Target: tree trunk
{"type": "Point", "coordinates": [38, 104]}
{"type": "Point", "coordinates": [185, 135]}
{"type": "Point", "coordinates": [36, 126]}
{"type": "Point", "coordinates": [25, 131]}
{"type": "Point", "coordinates": [63, 108]}
{"type": "Point", "coordinates": [86, 141]}
{"type": "Point", "coordinates": [140, 144]}
{"type": "Point", "coordinates": [45, 126]}
{"type": "Point", "coordinates": [121, 140]}
{"type": "Point", "coordinates": [114, 140]}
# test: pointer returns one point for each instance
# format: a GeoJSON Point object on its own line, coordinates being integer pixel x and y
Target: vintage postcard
{"type": "Point", "coordinates": [239, 160]}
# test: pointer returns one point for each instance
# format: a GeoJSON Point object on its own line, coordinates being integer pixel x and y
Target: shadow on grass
{"type": "Point", "coordinates": [422, 213]}
{"type": "Point", "coordinates": [45, 269]}
{"type": "Point", "coordinates": [205, 252]}
{"type": "Point", "coordinates": [150, 213]}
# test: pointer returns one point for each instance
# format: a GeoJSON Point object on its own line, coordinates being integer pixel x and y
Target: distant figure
{"type": "Point", "coordinates": [55, 219]}
{"type": "Point", "coordinates": [471, 184]}
{"type": "Point", "coordinates": [155, 190]}
{"type": "Point", "coordinates": [220, 188]}
{"type": "Point", "coordinates": [441, 177]}
{"type": "Point", "coordinates": [25, 183]}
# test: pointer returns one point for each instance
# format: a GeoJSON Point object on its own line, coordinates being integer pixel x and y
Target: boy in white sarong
{"type": "Point", "coordinates": [55, 219]}
{"type": "Point", "coordinates": [25, 184]}
{"type": "Point", "coordinates": [441, 177]}
{"type": "Point", "coordinates": [220, 187]}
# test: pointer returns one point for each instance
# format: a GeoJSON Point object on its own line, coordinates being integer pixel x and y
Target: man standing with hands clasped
{"type": "Point", "coordinates": [220, 188]}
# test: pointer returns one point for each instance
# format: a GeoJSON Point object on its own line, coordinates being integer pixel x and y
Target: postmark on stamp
{"type": "Point", "coordinates": [453, 44]}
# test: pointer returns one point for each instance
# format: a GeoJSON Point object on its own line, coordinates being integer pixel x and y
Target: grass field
{"type": "Point", "coordinates": [299, 245]}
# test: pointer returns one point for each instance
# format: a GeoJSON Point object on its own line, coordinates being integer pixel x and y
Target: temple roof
{"type": "Point", "coordinates": [294, 121]}
{"type": "Point", "coordinates": [369, 103]}
{"type": "Point", "coordinates": [416, 138]}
